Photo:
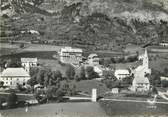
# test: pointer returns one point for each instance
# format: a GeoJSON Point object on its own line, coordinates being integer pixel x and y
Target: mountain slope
{"type": "Point", "coordinates": [102, 24]}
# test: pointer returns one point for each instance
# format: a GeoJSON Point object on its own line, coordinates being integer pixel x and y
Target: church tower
{"type": "Point", "coordinates": [146, 59]}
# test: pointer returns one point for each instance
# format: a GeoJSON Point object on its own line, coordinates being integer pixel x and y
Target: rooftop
{"type": "Point", "coordinates": [28, 60]}
{"type": "Point", "coordinates": [141, 80]}
{"type": "Point", "coordinates": [70, 49]}
{"type": "Point", "coordinates": [92, 55]}
{"type": "Point", "coordinates": [15, 72]}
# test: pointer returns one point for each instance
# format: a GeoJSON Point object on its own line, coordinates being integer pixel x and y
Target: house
{"type": "Point", "coordinates": [93, 60]}
{"type": "Point", "coordinates": [98, 69]}
{"type": "Point", "coordinates": [27, 63]}
{"type": "Point", "coordinates": [141, 82]}
{"type": "Point", "coordinates": [163, 78]}
{"type": "Point", "coordinates": [121, 73]}
{"type": "Point", "coordinates": [115, 90]}
{"type": "Point", "coordinates": [71, 55]}
{"type": "Point", "coordinates": [164, 44]}
{"type": "Point", "coordinates": [13, 76]}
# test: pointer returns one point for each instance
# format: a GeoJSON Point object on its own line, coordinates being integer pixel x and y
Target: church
{"type": "Point", "coordinates": [141, 82]}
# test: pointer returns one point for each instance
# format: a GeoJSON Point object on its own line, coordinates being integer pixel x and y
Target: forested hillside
{"type": "Point", "coordinates": [102, 24]}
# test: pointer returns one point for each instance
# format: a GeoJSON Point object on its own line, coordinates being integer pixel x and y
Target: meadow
{"type": "Point", "coordinates": [135, 109]}
{"type": "Point", "coordinates": [80, 109]}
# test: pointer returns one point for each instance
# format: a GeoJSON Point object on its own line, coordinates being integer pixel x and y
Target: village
{"type": "Point", "coordinates": [28, 82]}
{"type": "Point", "coordinates": [83, 58]}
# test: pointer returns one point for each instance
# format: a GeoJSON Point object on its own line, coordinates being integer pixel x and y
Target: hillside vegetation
{"type": "Point", "coordinates": [96, 24]}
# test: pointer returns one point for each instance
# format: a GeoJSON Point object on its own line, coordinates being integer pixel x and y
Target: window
{"type": "Point", "coordinates": [10, 83]}
{"type": "Point", "coordinates": [6, 78]}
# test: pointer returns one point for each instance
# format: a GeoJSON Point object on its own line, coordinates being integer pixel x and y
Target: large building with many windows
{"type": "Point", "coordinates": [71, 55]}
{"type": "Point", "coordinates": [27, 63]}
{"type": "Point", "coordinates": [13, 76]}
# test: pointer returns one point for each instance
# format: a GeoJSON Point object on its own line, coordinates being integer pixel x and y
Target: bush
{"type": "Point", "coordinates": [111, 83]}
{"type": "Point", "coordinates": [1, 83]}
{"type": "Point", "coordinates": [91, 74]}
{"type": "Point", "coordinates": [70, 72]}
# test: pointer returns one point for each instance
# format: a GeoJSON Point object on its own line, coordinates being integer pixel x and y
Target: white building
{"type": "Point", "coordinates": [71, 55]}
{"type": "Point", "coordinates": [13, 76]}
{"type": "Point", "coordinates": [27, 63]}
{"type": "Point", "coordinates": [164, 44]}
{"type": "Point", "coordinates": [164, 78]}
{"type": "Point", "coordinates": [141, 82]}
{"type": "Point", "coordinates": [98, 69]}
{"type": "Point", "coordinates": [121, 73]}
{"type": "Point", "coordinates": [93, 60]}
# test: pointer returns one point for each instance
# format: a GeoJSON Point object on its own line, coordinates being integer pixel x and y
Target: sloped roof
{"type": "Point", "coordinates": [141, 80]}
{"type": "Point", "coordinates": [122, 71]}
{"type": "Point", "coordinates": [11, 72]}
{"type": "Point", "coordinates": [28, 60]}
{"type": "Point", "coordinates": [70, 49]}
{"type": "Point", "coordinates": [92, 55]}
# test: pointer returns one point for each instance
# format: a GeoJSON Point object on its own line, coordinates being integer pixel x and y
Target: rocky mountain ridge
{"type": "Point", "coordinates": [91, 22]}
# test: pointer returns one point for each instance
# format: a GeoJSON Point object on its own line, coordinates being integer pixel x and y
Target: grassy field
{"type": "Point", "coordinates": [37, 54]}
{"type": "Point", "coordinates": [41, 47]}
{"type": "Point", "coordinates": [86, 86]}
{"type": "Point", "coordinates": [136, 109]}
{"type": "Point", "coordinates": [159, 64]}
{"type": "Point", "coordinates": [7, 51]}
{"type": "Point", "coordinates": [82, 109]}
{"type": "Point", "coordinates": [53, 64]}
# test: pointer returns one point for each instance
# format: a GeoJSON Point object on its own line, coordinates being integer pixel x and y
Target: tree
{"type": "Point", "coordinates": [107, 62]}
{"type": "Point", "coordinates": [40, 77]}
{"type": "Point", "coordinates": [32, 81]}
{"type": "Point", "coordinates": [70, 72]}
{"type": "Point", "coordinates": [82, 74]}
{"type": "Point", "coordinates": [1, 83]}
{"type": "Point", "coordinates": [50, 92]}
{"type": "Point", "coordinates": [128, 80]}
{"type": "Point", "coordinates": [109, 75]}
{"type": "Point", "coordinates": [13, 63]}
{"type": "Point", "coordinates": [12, 100]}
{"type": "Point", "coordinates": [91, 74]}
{"type": "Point", "coordinates": [55, 77]}
{"type": "Point", "coordinates": [112, 83]}
{"type": "Point", "coordinates": [154, 78]}
{"type": "Point", "coordinates": [34, 71]}
{"type": "Point", "coordinates": [77, 78]}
